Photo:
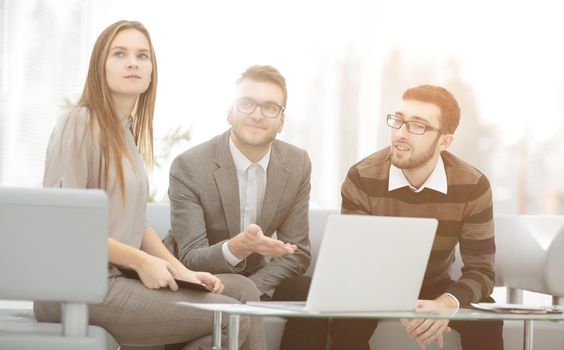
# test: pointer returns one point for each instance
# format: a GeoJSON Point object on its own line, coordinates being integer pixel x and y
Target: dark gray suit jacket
{"type": "Point", "coordinates": [204, 198]}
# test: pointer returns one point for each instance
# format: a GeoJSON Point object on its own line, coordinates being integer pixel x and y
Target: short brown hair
{"type": "Point", "coordinates": [442, 98]}
{"type": "Point", "coordinates": [266, 74]}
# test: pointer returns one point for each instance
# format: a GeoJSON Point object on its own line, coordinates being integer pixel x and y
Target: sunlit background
{"type": "Point", "coordinates": [346, 64]}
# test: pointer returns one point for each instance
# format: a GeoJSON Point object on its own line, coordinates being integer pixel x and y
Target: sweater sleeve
{"type": "Point", "coordinates": [354, 200]}
{"type": "Point", "coordinates": [477, 247]}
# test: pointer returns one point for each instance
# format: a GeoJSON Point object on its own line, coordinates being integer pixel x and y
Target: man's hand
{"type": "Point", "coordinates": [425, 331]}
{"type": "Point", "coordinates": [253, 240]}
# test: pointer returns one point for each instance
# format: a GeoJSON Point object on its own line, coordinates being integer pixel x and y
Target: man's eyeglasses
{"type": "Point", "coordinates": [247, 105]}
{"type": "Point", "coordinates": [412, 126]}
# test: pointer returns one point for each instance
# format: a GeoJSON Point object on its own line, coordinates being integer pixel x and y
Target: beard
{"type": "Point", "coordinates": [254, 140]}
{"type": "Point", "coordinates": [415, 160]}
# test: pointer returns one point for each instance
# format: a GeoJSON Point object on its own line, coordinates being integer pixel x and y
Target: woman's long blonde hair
{"type": "Point", "coordinates": [97, 98]}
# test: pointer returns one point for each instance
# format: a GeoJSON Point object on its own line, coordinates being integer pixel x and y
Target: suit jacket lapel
{"type": "Point", "coordinates": [276, 175]}
{"type": "Point", "coordinates": [228, 185]}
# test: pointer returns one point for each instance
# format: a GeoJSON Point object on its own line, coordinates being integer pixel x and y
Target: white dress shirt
{"type": "Point", "coordinates": [436, 181]}
{"type": "Point", "coordinates": [248, 173]}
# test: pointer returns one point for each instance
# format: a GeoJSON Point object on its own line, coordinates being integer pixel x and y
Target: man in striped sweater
{"type": "Point", "coordinates": [417, 177]}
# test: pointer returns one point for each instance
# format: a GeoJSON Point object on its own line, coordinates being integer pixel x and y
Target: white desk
{"type": "Point", "coordinates": [234, 311]}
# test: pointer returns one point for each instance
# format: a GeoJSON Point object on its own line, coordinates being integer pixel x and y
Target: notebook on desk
{"type": "Point", "coordinates": [368, 263]}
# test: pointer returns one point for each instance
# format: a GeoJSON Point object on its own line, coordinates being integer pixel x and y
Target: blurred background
{"type": "Point", "coordinates": [346, 64]}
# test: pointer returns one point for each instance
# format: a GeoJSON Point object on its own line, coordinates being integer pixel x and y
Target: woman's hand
{"type": "Point", "coordinates": [157, 273]}
{"type": "Point", "coordinates": [212, 282]}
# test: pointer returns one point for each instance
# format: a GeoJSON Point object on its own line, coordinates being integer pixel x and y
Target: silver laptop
{"type": "Point", "coordinates": [368, 263]}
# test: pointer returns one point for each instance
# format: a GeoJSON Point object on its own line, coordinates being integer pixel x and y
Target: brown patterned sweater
{"type": "Point", "coordinates": [465, 216]}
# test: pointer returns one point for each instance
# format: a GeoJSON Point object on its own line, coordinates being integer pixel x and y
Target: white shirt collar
{"type": "Point", "coordinates": [242, 163]}
{"type": "Point", "coordinates": [436, 181]}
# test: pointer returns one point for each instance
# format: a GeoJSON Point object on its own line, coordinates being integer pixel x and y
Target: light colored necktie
{"type": "Point", "coordinates": [251, 200]}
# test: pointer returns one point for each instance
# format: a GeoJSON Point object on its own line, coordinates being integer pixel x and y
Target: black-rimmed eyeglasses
{"type": "Point", "coordinates": [247, 105]}
{"type": "Point", "coordinates": [412, 126]}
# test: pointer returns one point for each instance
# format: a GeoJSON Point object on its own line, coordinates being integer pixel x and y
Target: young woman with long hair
{"type": "Point", "coordinates": [105, 142]}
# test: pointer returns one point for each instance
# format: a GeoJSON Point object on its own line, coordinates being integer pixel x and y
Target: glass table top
{"type": "Point", "coordinates": [454, 314]}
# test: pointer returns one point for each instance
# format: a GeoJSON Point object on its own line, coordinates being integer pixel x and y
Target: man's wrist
{"type": "Point", "coordinates": [449, 301]}
{"type": "Point", "coordinates": [231, 258]}
{"type": "Point", "coordinates": [237, 247]}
